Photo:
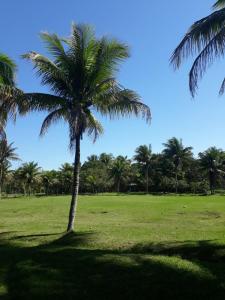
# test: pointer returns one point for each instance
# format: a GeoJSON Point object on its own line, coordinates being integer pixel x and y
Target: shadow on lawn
{"type": "Point", "coordinates": [63, 270]}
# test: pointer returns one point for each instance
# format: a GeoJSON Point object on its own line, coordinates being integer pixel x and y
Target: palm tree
{"type": "Point", "coordinates": [66, 176]}
{"type": "Point", "coordinates": [7, 154]}
{"type": "Point", "coordinates": [206, 39]}
{"type": "Point", "coordinates": [28, 173]}
{"type": "Point", "coordinates": [119, 170]}
{"type": "Point", "coordinates": [81, 77]}
{"type": "Point", "coordinates": [106, 159]}
{"type": "Point", "coordinates": [178, 154]}
{"type": "Point", "coordinates": [7, 78]}
{"type": "Point", "coordinates": [212, 161]}
{"type": "Point", "coordinates": [143, 157]}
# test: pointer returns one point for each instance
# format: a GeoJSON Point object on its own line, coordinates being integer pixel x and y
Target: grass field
{"type": "Point", "coordinates": [125, 247]}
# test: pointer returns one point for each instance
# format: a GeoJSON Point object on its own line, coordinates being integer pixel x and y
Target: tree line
{"type": "Point", "coordinates": [174, 170]}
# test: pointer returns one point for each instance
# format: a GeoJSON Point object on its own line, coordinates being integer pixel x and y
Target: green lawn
{"type": "Point", "coordinates": [126, 247]}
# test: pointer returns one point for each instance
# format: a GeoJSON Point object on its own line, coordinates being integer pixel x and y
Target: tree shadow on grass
{"type": "Point", "coordinates": [65, 269]}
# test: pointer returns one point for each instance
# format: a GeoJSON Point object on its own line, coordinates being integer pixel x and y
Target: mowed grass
{"type": "Point", "coordinates": [125, 247]}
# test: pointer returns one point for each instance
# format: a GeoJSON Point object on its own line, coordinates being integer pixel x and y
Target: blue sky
{"type": "Point", "coordinates": [152, 29]}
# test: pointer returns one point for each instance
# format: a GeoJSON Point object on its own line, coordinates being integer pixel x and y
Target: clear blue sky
{"type": "Point", "coordinates": [152, 29]}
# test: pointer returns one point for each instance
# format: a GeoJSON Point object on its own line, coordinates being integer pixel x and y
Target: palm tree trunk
{"type": "Point", "coordinates": [1, 175]}
{"type": "Point", "coordinates": [176, 183]}
{"type": "Point", "coordinates": [146, 177]}
{"type": "Point", "coordinates": [118, 186]}
{"type": "Point", "coordinates": [75, 187]}
{"type": "Point", "coordinates": [211, 182]}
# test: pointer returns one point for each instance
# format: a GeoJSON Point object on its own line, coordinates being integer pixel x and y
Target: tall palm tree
{"type": "Point", "coordinates": [206, 39]}
{"type": "Point", "coordinates": [28, 173]}
{"type": "Point", "coordinates": [212, 161]}
{"type": "Point", "coordinates": [119, 170]}
{"type": "Point", "coordinates": [81, 78]}
{"type": "Point", "coordinates": [178, 154]}
{"type": "Point", "coordinates": [143, 156]}
{"type": "Point", "coordinates": [7, 78]}
{"type": "Point", "coordinates": [7, 154]}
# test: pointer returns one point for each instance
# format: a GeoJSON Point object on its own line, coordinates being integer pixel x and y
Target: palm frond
{"type": "Point", "coordinates": [7, 70]}
{"type": "Point", "coordinates": [94, 127]}
{"type": "Point", "coordinates": [49, 72]}
{"type": "Point", "coordinates": [213, 49]}
{"type": "Point", "coordinates": [222, 88]}
{"type": "Point", "coordinates": [41, 101]}
{"type": "Point", "coordinates": [122, 102]}
{"type": "Point", "coordinates": [53, 117]}
{"type": "Point", "coordinates": [54, 45]}
{"type": "Point", "coordinates": [198, 36]}
{"type": "Point", "coordinates": [219, 4]}
{"type": "Point", "coordinates": [11, 103]}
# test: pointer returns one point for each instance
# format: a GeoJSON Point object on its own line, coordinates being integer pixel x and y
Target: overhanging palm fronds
{"type": "Point", "coordinates": [219, 4]}
{"type": "Point", "coordinates": [7, 80]}
{"type": "Point", "coordinates": [206, 39]}
{"type": "Point", "coordinates": [7, 70]}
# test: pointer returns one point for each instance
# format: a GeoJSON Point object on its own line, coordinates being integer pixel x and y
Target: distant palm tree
{"type": "Point", "coordinates": [66, 176]}
{"type": "Point", "coordinates": [206, 39]}
{"type": "Point", "coordinates": [28, 173]}
{"type": "Point", "coordinates": [212, 161]}
{"type": "Point", "coordinates": [119, 170]}
{"type": "Point", "coordinates": [7, 78]}
{"type": "Point", "coordinates": [178, 154]}
{"type": "Point", "coordinates": [106, 159]}
{"type": "Point", "coordinates": [81, 77]}
{"type": "Point", "coordinates": [7, 154]}
{"type": "Point", "coordinates": [143, 156]}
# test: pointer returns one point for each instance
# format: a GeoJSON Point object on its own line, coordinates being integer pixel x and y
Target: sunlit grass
{"type": "Point", "coordinates": [126, 247]}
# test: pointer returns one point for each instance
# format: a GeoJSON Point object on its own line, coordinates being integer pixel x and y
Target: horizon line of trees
{"type": "Point", "coordinates": [174, 170]}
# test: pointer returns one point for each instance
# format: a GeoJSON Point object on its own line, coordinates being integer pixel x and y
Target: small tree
{"type": "Point", "coordinates": [212, 161]}
{"type": "Point", "coordinates": [143, 156]}
{"type": "Point", "coordinates": [28, 173]}
{"type": "Point", "coordinates": [7, 154]}
{"type": "Point", "coordinates": [120, 171]}
{"type": "Point", "coordinates": [178, 154]}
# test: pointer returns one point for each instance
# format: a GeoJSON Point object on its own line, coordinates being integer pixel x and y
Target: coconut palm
{"type": "Point", "coordinates": [7, 78]}
{"type": "Point", "coordinates": [178, 154]}
{"type": "Point", "coordinates": [7, 154]}
{"type": "Point", "coordinates": [206, 39]}
{"type": "Point", "coordinates": [66, 176]}
{"type": "Point", "coordinates": [212, 161]}
{"type": "Point", "coordinates": [28, 173]}
{"type": "Point", "coordinates": [106, 158]}
{"type": "Point", "coordinates": [119, 170]}
{"type": "Point", "coordinates": [143, 157]}
{"type": "Point", "coordinates": [81, 77]}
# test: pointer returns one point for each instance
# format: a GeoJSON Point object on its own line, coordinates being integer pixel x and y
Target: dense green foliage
{"type": "Point", "coordinates": [174, 170]}
{"type": "Point", "coordinates": [126, 247]}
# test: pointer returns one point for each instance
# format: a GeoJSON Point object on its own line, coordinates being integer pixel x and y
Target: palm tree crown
{"type": "Point", "coordinates": [206, 39]}
{"type": "Point", "coordinates": [81, 77]}
{"type": "Point", "coordinates": [175, 150]}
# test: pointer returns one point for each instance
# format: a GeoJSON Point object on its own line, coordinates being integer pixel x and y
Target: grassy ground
{"type": "Point", "coordinates": [126, 247]}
